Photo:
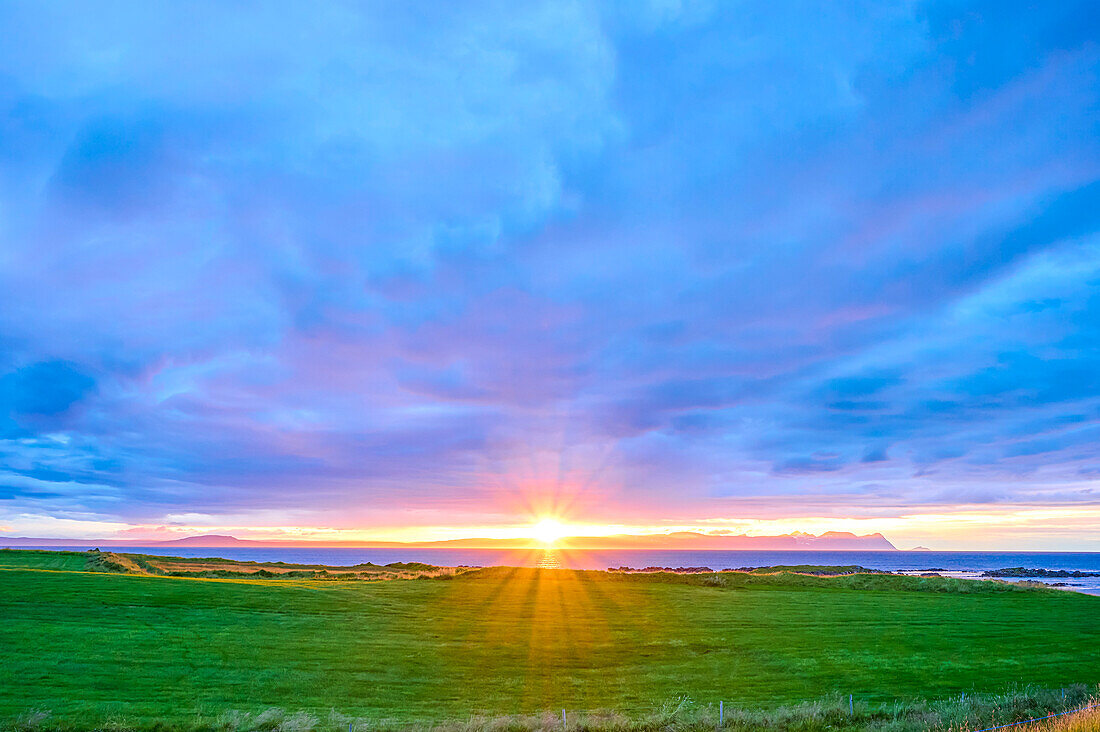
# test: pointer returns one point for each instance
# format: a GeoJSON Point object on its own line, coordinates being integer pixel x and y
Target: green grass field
{"type": "Point", "coordinates": [96, 648]}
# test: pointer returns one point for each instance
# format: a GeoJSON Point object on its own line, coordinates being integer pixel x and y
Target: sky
{"type": "Point", "coordinates": [430, 270]}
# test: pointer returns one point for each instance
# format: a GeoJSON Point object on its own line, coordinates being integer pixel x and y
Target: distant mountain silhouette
{"type": "Point", "coordinates": [208, 540]}
{"type": "Point", "coordinates": [829, 541]}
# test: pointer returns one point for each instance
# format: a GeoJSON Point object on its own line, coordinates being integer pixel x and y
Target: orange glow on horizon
{"type": "Point", "coordinates": [961, 528]}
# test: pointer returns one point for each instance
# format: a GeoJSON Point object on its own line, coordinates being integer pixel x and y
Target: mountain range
{"type": "Point", "coordinates": [828, 541]}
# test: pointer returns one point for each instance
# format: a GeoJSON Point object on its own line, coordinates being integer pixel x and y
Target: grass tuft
{"type": "Point", "coordinates": [954, 714]}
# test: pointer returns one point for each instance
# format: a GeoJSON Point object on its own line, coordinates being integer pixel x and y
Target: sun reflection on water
{"type": "Point", "coordinates": [550, 559]}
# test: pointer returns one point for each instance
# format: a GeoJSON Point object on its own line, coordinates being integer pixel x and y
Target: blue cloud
{"type": "Point", "coordinates": [116, 165]}
{"type": "Point", "coordinates": [43, 389]}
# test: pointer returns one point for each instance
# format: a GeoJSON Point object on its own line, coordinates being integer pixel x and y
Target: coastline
{"type": "Point", "coordinates": [957, 565]}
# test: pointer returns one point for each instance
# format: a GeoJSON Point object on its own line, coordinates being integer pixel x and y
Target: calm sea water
{"type": "Point", "coordinates": [959, 564]}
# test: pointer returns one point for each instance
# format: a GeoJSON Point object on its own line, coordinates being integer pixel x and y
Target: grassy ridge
{"type": "Point", "coordinates": [208, 567]}
{"type": "Point", "coordinates": [822, 576]}
{"type": "Point", "coordinates": [90, 646]}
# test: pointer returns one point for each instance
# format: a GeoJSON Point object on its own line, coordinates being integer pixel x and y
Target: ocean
{"type": "Point", "coordinates": [953, 564]}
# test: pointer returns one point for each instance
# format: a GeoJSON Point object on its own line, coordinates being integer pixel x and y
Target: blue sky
{"type": "Point", "coordinates": [377, 269]}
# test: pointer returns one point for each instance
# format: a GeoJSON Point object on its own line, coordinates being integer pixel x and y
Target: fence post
{"type": "Point", "coordinates": [721, 714]}
{"type": "Point", "coordinates": [851, 706]}
{"type": "Point", "coordinates": [563, 723]}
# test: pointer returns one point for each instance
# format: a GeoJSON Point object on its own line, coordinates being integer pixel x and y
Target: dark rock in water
{"type": "Point", "coordinates": [797, 569]}
{"type": "Point", "coordinates": [675, 570]}
{"type": "Point", "coordinates": [931, 574]}
{"type": "Point", "coordinates": [1032, 572]}
{"type": "Point", "coordinates": [812, 569]}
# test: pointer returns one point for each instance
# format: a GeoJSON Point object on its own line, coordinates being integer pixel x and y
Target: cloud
{"type": "Point", "coordinates": [654, 260]}
{"type": "Point", "coordinates": [41, 396]}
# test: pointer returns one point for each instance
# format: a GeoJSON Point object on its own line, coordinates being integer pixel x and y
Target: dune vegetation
{"type": "Point", "coordinates": [120, 641]}
{"type": "Point", "coordinates": [1087, 720]}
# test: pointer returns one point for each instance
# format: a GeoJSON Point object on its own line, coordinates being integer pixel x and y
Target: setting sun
{"type": "Point", "coordinates": [547, 531]}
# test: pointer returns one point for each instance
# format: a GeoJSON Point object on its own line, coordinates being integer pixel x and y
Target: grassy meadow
{"type": "Point", "coordinates": [117, 641]}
